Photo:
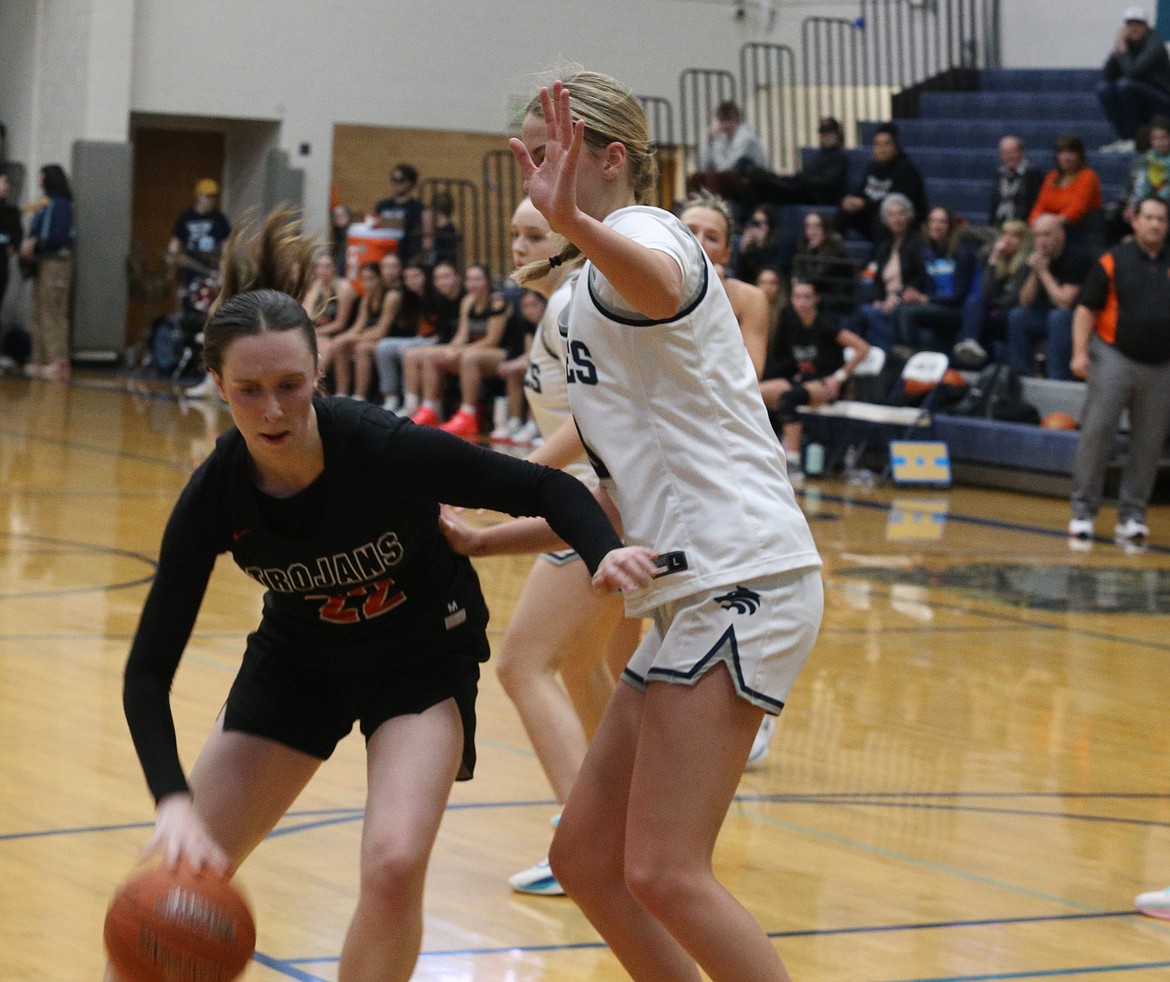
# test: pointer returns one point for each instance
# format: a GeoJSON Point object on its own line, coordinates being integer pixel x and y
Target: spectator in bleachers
{"type": "Point", "coordinates": [48, 248]}
{"type": "Point", "coordinates": [401, 212]}
{"type": "Point", "coordinates": [1121, 344]}
{"type": "Point", "coordinates": [1072, 192]}
{"type": "Point", "coordinates": [1119, 213]}
{"type": "Point", "coordinates": [332, 302]}
{"type": "Point", "coordinates": [1056, 270]}
{"type": "Point", "coordinates": [709, 218]}
{"type": "Point", "coordinates": [340, 220]}
{"type": "Point", "coordinates": [731, 150]}
{"type": "Point", "coordinates": [376, 310]}
{"type": "Point", "coordinates": [890, 171]}
{"type": "Point", "coordinates": [759, 245]}
{"type": "Point", "coordinates": [11, 232]}
{"type": "Point", "coordinates": [390, 269]}
{"type": "Point", "coordinates": [1017, 184]}
{"type": "Point", "coordinates": [822, 182]}
{"type": "Point", "coordinates": [443, 242]}
{"type": "Point", "coordinates": [1152, 177]}
{"type": "Point", "coordinates": [483, 318]}
{"type": "Point", "coordinates": [409, 329]}
{"type": "Point", "coordinates": [438, 322]}
{"type": "Point", "coordinates": [1136, 79]}
{"type": "Point", "coordinates": [771, 281]}
{"type": "Point", "coordinates": [933, 321]}
{"type": "Point", "coordinates": [446, 300]}
{"type": "Point", "coordinates": [822, 258]}
{"type": "Point", "coordinates": [511, 428]}
{"type": "Point", "coordinates": [898, 269]}
{"type": "Point", "coordinates": [985, 314]}
{"type": "Point", "coordinates": [806, 366]}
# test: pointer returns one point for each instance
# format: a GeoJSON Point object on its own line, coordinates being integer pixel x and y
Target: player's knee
{"type": "Point", "coordinates": [393, 876]}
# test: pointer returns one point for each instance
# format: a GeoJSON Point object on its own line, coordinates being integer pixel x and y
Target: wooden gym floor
{"type": "Point", "coordinates": [970, 781]}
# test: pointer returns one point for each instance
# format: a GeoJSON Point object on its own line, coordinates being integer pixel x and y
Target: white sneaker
{"type": "Point", "coordinates": [503, 435]}
{"type": "Point", "coordinates": [1080, 528]}
{"type": "Point", "coordinates": [1156, 903]}
{"type": "Point", "coordinates": [763, 739]}
{"type": "Point", "coordinates": [391, 404]}
{"type": "Point", "coordinates": [527, 435]}
{"type": "Point", "coordinates": [204, 390]}
{"type": "Point", "coordinates": [537, 880]}
{"type": "Point", "coordinates": [1131, 530]}
{"type": "Point", "coordinates": [969, 353]}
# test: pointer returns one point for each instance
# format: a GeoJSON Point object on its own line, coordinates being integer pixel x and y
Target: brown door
{"type": "Point", "coordinates": [167, 163]}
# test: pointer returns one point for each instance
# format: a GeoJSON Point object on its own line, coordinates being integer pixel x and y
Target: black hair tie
{"type": "Point", "coordinates": [555, 261]}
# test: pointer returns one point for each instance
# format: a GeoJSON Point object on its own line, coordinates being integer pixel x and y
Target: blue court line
{"type": "Point", "coordinates": [87, 548]}
{"type": "Point", "coordinates": [287, 968]}
{"type": "Point", "coordinates": [324, 817]}
{"type": "Point", "coordinates": [1042, 973]}
{"type": "Point", "coordinates": [968, 809]}
{"type": "Point", "coordinates": [811, 933]}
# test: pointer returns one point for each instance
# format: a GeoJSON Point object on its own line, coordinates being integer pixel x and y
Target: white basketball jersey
{"type": "Point", "coordinates": [544, 383]}
{"type": "Point", "coordinates": [672, 418]}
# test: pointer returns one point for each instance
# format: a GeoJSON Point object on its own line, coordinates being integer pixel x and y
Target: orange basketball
{"type": "Point", "coordinates": [166, 925]}
{"type": "Point", "coordinates": [914, 388]}
{"type": "Point", "coordinates": [1058, 421]}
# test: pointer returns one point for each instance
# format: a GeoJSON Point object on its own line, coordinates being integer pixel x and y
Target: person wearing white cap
{"type": "Point", "coordinates": [1136, 79]}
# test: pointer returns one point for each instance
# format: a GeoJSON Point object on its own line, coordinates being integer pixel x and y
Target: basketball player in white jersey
{"type": "Point", "coordinates": [589, 641]}
{"type": "Point", "coordinates": [666, 400]}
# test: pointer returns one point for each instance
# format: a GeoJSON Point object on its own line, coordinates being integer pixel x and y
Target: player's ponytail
{"type": "Point", "coordinates": [267, 270]}
{"type": "Point", "coordinates": [568, 256]}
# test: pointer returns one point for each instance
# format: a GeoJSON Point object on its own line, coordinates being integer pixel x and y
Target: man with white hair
{"type": "Point", "coordinates": [1136, 79]}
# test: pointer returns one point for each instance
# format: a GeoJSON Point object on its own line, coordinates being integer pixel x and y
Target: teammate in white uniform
{"type": "Point", "coordinates": [667, 404]}
{"type": "Point", "coordinates": [559, 718]}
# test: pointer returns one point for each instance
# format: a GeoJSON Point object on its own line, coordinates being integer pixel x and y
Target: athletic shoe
{"type": "Point", "coordinates": [537, 880]}
{"type": "Point", "coordinates": [763, 739]}
{"type": "Point", "coordinates": [391, 404]}
{"type": "Point", "coordinates": [969, 353]}
{"type": "Point", "coordinates": [1131, 530]}
{"type": "Point", "coordinates": [1080, 528]}
{"type": "Point", "coordinates": [1156, 903]}
{"type": "Point", "coordinates": [425, 416]}
{"type": "Point", "coordinates": [204, 390]}
{"type": "Point", "coordinates": [503, 435]}
{"type": "Point", "coordinates": [528, 434]}
{"type": "Point", "coordinates": [462, 424]}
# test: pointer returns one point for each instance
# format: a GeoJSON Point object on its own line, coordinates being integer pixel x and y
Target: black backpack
{"type": "Point", "coordinates": [997, 393]}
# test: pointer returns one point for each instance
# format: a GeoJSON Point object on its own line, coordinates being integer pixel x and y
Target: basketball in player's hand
{"type": "Point", "coordinates": [168, 924]}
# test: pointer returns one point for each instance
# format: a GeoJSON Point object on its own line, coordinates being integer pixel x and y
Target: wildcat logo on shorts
{"type": "Point", "coordinates": [741, 600]}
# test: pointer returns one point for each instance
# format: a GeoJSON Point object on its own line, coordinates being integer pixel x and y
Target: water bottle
{"type": "Point", "coordinates": [814, 459]}
{"type": "Point", "coordinates": [851, 457]}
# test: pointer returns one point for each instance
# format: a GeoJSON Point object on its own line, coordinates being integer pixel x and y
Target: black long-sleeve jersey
{"type": "Point", "coordinates": [355, 567]}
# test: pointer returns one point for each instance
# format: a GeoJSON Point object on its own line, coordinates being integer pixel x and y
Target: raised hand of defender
{"type": "Point", "coordinates": [550, 173]}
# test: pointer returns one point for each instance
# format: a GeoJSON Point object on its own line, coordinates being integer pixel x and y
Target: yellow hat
{"type": "Point", "coordinates": [207, 186]}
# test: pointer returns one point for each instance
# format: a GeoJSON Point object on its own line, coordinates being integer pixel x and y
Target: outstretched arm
{"type": "Point", "coordinates": [649, 280]}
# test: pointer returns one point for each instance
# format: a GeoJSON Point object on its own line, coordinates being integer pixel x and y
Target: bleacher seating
{"type": "Point", "coordinates": [954, 142]}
